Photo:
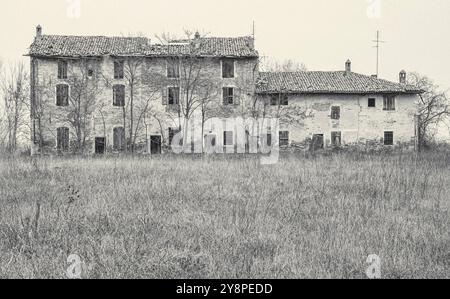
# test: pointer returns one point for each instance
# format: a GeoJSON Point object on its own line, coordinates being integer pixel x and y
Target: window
{"type": "Point", "coordinates": [172, 133]}
{"type": "Point", "coordinates": [119, 138]}
{"type": "Point", "coordinates": [118, 69]}
{"type": "Point", "coordinates": [62, 139]}
{"type": "Point", "coordinates": [228, 95]}
{"type": "Point", "coordinates": [389, 103]}
{"type": "Point", "coordinates": [62, 95]}
{"type": "Point", "coordinates": [173, 68]}
{"type": "Point", "coordinates": [388, 138]}
{"type": "Point", "coordinates": [228, 138]}
{"type": "Point", "coordinates": [371, 102]}
{"type": "Point", "coordinates": [62, 69]}
{"type": "Point", "coordinates": [336, 139]}
{"type": "Point", "coordinates": [284, 138]}
{"type": "Point", "coordinates": [227, 68]}
{"type": "Point", "coordinates": [174, 95]}
{"type": "Point", "coordinates": [317, 141]}
{"type": "Point", "coordinates": [269, 139]}
{"type": "Point", "coordinates": [335, 112]}
{"type": "Point", "coordinates": [283, 100]}
{"type": "Point", "coordinates": [119, 95]}
{"type": "Point", "coordinates": [90, 73]}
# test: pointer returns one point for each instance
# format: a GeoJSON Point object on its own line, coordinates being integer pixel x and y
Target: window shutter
{"type": "Point", "coordinates": [164, 96]}
{"type": "Point", "coordinates": [237, 96]}
{"type": "Point", "coordinates": [225, 96]}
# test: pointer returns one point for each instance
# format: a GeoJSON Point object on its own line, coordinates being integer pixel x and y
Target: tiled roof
{"type": "Point", "coordinates": [88, 46]}
{"type": "Point", "coordinates": [327, 82]}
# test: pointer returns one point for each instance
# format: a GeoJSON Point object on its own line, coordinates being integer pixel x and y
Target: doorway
{"type": "Point", "coordinates": [317, 142]}
{"type": "Point", "coordinates": [155, 145]}
{"type": "Point", "coordinates": [100, 145]}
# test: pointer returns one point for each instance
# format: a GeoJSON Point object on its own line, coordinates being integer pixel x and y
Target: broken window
{"type": "Point", "coordinates": [389, 103]}
{"type": "Point", "coordinates": [118, 69]}
{"type": "Point", "coordinates": [371, 102]}
{"type": "Point", "coordinates": [119, 95]}
{"type": "Point", "coordinates": [62, 69]}
{"type": "Point", "coordinates": [174, 95]}
{"type": "Point", "coordinates": [335, 112]}
{"type": "Point", "coordinates": [119, 138]}
{"type": "Point", "coordinates": [227, 68]}
{"type": "Point", "coordinates": [388, 138]}
{"type": "Point", "coordinates": [173, 68]}
{"type": "Point", "coordinates": [228, 138]}
{"type": "Point", "coordinates": [62, 139]}
{"type": "Point", "coordinates": [284, 138]}
{"type": "Point", "coordinates": [228, 95]}
{"type": "Point", "coordinates": [317, 141]}
{"type": "Point", "coordinates": [62, 95]}
{"type": "Point", "coordinates": [336, 139]}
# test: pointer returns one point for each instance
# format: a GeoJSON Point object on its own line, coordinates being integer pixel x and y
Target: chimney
{"type": "Point", "coordinates": [38, 31]}
{"type": "Point", "coordinates": [348, 67]}
{"type": "Point", "coordinates": [197, 35]}
{"type": "Point", "coordinates": [402, 77]}
{"type": "Point", "coordinates": [374, 76]}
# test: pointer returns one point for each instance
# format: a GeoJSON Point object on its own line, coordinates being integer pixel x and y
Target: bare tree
{"type": "Point", "coordinates": [434, 107]}
{"type": "Point", "coordinates": [288, 65]}
{"type": "Point", "coordinates": [14, 85]}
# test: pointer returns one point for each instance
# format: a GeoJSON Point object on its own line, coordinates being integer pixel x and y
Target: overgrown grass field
{"type": "Point", "coordinates": [226, 217]}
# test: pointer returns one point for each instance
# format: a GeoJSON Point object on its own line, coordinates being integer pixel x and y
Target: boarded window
{"type": "Point", "coordinates": [284, 138]}
{"type": "Point", "coordinates": [119, 138]}
{"type": "Point", "coordinates": [371, 102]}
{"type": "Point", "coordinates": [228, 138]}
{"type": "Point", "coordinates": [284, 101]}
{"type": "Point", "coordinates": [119, 95]}
{"type": "Point", "coordinates": [118, 69]}
{"type": "Point", "coordinates": [62, 139]}
{"type": "Point", "coordinates": [317, 141]}
{"type": "Point", "coordinates": [62, 95]}
{"type": "Point", "coordinates": [335, 112]}
{"type": "Point", "coordinates": [389, 103]}
{"type": "Point", "coordinates": [227, 68]}
{"type": "Point", "coordinates": [276, 100]}
{"type": "Point", "coordinates": [336, 139]}
{"type": "Point", "coordinates": [388, 138]}
{"type": "Point", "coordinates": [174, 95]}
{"type": "Point", "coordinates": [173, 68]}
{"type": "Point", "coordinates": [228, 95]}
{"type": "Point", "coordinates": [62, 69]}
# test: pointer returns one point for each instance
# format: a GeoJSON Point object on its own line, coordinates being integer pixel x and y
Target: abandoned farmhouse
{"type": "Point", "coordinates": [95, 94]}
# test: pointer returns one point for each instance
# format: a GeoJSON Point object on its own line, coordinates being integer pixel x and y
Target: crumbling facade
{"type": "Point", "coordinates": [125, 94]}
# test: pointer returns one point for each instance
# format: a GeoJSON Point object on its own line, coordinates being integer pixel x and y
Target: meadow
{"type": "Point", "coordinates": [226, 217]}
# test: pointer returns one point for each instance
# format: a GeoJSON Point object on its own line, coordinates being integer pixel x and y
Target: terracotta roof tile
{"type": "Point", "coordinates": [327, 82]}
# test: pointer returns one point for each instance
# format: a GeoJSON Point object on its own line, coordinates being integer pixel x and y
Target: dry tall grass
{"type": "Point", "coordinates": [222, 217]}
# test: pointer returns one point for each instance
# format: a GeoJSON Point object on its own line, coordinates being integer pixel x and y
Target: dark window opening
{"type": "Point", "coordinates": [317, 141]}
{"type": "Point", "coordinates": [90, 73]}
{"type": "Point", "coordinates": [371, 102]}
{"type": "Point", "coordinates": [227, 68]}
{"type": "Point", "coordinates": [228, 138]}
{"type": "Point", "coordinates": [336, 139]}
{"type": "Point", "coordinates": [62, 95]}
{"type": "Point", "coordinates": [119, 95]}
{"type": "Point", "coordinates": [389, 103]}
{"type": "Point", "coordinates": [228, 95]}
{"type": "Point", "coordinates": [276, 100]}
{"type": "Point", "coordinates": [62, 139]}
{"type": "Point", "coordinates": [335, 112]}
{"type": "Point", "coordinates": [119, 139]}
{"type": "Point", "coordinates": [388, 138]}
{"type": "Point", "coordinates": [62, 69]}
{"type": "Point", "coordinates": [269, 139]}
{"type": "Point", "coordinates": [118, 69]}
{"type": "Point", "coordinates": [284, 138]}
{"type": "Point", "coordinates": [174, 95]}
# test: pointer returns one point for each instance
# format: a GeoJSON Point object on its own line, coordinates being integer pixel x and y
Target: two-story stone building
{"type": "Point", "coordinates": [95, 94]}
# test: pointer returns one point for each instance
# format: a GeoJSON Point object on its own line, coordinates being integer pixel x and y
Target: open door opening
{"type": "Point", "coordinates": [100, 145]}
{"type": "Point", "coordinates": [155, 145]}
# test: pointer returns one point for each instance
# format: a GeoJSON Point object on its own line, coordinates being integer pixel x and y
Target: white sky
{"type": "Point", "coordinates": [321, 33]}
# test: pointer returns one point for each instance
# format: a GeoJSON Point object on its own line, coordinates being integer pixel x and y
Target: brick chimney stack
{"type": "Point", "coordinates": [402, 77]}
{"type": "Point", "coordinates": [38, 31]}
{"type": "Point", "coordinates": [348, 67]}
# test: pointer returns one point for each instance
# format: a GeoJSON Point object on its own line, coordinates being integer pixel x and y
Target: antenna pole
{"type": "Point", "coordinates": [377, 45]}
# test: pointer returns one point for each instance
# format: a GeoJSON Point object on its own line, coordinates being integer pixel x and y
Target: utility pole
{"type": "Point", "coordinates": [378, 42]}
